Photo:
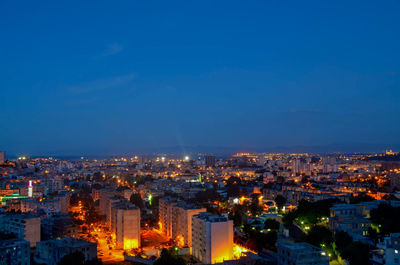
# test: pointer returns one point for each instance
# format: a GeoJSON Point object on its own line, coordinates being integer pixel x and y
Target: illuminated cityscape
{"type": "Point", "coordinates": [200, 132]}
{"type": "Point", "coordinates": [247, 208]}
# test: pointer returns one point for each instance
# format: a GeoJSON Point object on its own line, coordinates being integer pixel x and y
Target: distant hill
{"type": "Point", "coordinates": [388, 158]}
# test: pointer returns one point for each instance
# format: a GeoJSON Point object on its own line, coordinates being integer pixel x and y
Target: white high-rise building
{"type": "Point", "coordinates": [109, 202]}
{"type": "Point", "coordinates": [103, 196]}
{"type": "Point", "coordinates": [125, 225]}
{"type": "Point", "coordinates": [166, 214]}
{"type": "Point", "coordinates": [30, 189]}
{"type": "Point", "coordinates": [176, 219]}
{"type": "Point", "coordinates": [212, 238]}
{"type": "Point", "coordinates": [182, 225]}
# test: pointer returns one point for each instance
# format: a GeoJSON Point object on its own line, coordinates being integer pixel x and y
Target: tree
{"type": "Point", "coordinates": [342, 240]}
{"type": "Point", "coordinates": [289, 217]}
{"type": "Point", "coordinates": [387, 218]}
{"type": "Point", "coordinates": [208, 195]}
{"type": "Point", "coordinates": [305, 179]}
{"type": "Point", "coordinates": [258, 241]}
{"type": "Point", "coordinates": [76, 258]}
{"type": "Point", "coordinates": [97, 176]}
{"type": "Point", "coordinates": [91, 216]}
{"type": "Point", "coordinates": [318, 235]}
{"type": "Point", "coordinates": [255, 208]}
{"type": "Point", "coordinates": [233, 190]}
{"type": "Point", "coordinates": [280, 179]}
{"type": "Point", "coordinates": [280, 201]}
{"type": "Point", "coordinates": [356, 253]}
{"type": "Point", "coordinates": [6, 235]}
{"type": "Point", "coordinates": [361, 198]}
{"type": "Point", "coordinates": [137, 200]}
{"type": "Point", "coordinates": [309, 212]}
{"type": "Point", "coordinates": [169, 257]}
{"type": "Point", "coordinates": [237, 214]}
{"type": "Point", "coordinates": [94, 262]}
{"type": "Point", "coordinates": [390, 197]}
{"type": "Point", "coordinates": [271, 224]}
{"type": "Point", "coordinates": [155, 202]}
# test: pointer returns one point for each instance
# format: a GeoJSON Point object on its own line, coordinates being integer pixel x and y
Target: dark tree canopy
{"type": "Point", "coordinates": [356, 253]}
{"type": "Point", "coordinates": [255, 207]}
{"type": "Point", "coordinates": [361, 198]}
{"type": "Point", "coordinates": [76, 258]}
{"type": "Point", "coordinates": [387, 217]}
{"type": "Point", "coordinates": [238, 214]}
{"type": "Point", "coordinates": [271, 224]}
{"type": "Point", "coordinates": [309, 212]}
{"type": "Point", "coordinates": [137, 200]}
{"type": "Point", "coordinates": [280, 201]}
{"type": "Point", "coordinates": [259, 241]}
{"type": "Point", "coordinates": [207, 195]}
{"type": "Point", "coordinates": [342, 240]}
{"type": "Point", "coordinates": [318, 235]}
{"type": "Point", "coordinates": [169, 257]}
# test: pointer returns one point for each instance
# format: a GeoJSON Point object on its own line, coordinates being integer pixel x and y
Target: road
{"type": "Point", "coordinates": [104, 252]}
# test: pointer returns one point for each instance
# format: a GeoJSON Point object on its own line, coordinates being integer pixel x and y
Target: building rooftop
{"type": "Point", "coordinates": [343, 206]}
{"type": "Point", "coordinates": [18, 215]}
{"type": "Point", "coordinates": [210, 217]}
{"type": "Point", "coordinates": [10, 242]}
{"type": "Point", "coordinates": [68, 241]}
{"type": "Point", "coordinates": [116, 197]}
{"type": "Point", "coordinates": [298, 246]}
{"type": "Point", "coordinates": [170, 199]}
{"type": "Point", "coordinates": [124, 205]}
{"type": "Point", "coordinates": [188, 206]}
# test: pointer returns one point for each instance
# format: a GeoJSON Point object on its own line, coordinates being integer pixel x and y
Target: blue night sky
{"type": "Point", "coordinates": [111, 77]}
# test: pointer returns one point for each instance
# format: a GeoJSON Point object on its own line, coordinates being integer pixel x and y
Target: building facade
{"type": "Point", "coordinates": [166, 214]}
{"type": "Point", "coordinates": [51, 252]}
{"type": "Point", "coordinates": [387, 251]}
{"type": "Point", "coordinates": [15, 252]}
{"type": "Point", "coordinates": [212, 238]}
{"type": "Point", "coordinates": [300, 254]}
{"type": "Point", "coordinates": [125, 225]}
{"type": "Point", "coordinates": [182, 222]}
{"type": "Point", "coordinates": [24, 226]}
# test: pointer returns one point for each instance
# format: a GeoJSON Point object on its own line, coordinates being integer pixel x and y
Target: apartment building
{"type": "Point", "coordinates": [15, 252]}
{"type": "Point", "coordinates": [51, 252]}
{"type": "Point", "coordinates": [212, 238]}
{"type": "Point", "coordinates": [24, 226]}
{"type": "Point", "coordinates": [300, 254]}
{"type": "Point", "coordinates": [125, 225]}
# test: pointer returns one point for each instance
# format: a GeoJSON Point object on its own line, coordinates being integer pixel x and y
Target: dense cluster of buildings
{"type": "Point", "coordinates": [115, 208]}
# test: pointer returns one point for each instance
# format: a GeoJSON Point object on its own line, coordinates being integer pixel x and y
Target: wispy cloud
{"type": "Point", "coordinates": [101, 84]}
{"type": "Point", "coordinates": [112, 49]}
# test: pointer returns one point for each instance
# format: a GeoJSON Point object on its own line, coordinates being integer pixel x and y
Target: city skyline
{"type": "Point", "coordinates": [199, 132]}
{"type": "Point", "coordinates": [195, 151]}
{"type": "Point", "coordinates": [118, 78]}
